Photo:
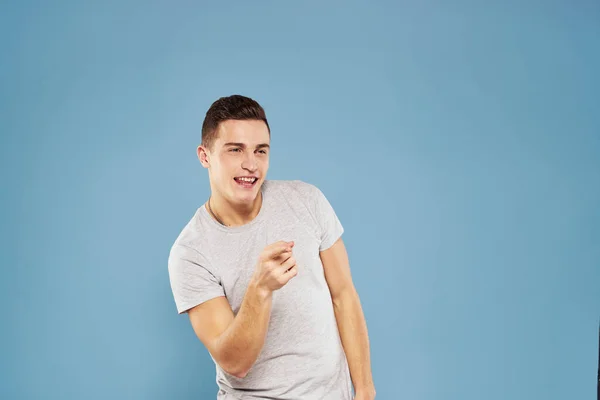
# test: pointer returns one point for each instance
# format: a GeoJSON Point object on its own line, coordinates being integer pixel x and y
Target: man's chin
{"type": "Point", "coordinates": [245, 197]}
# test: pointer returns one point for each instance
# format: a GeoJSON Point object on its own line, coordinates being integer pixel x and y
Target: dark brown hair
{"type": "Point", "coordinates": [232, 107]}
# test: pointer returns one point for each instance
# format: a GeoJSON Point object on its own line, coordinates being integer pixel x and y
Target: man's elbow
{"type": "Point", "coordinates": [234, 366]}
{"type": "Point", "coordinates": [241, 375]}
{"type": "Point", "coordinates": [237, 372]}
{"type": "Point", "coordinates": [233, 360]}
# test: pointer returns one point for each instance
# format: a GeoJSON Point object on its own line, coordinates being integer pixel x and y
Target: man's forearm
{"type": "Point", "coordinates": [241, 343]}
{"type": "Point", "coordinates": [355, 340]}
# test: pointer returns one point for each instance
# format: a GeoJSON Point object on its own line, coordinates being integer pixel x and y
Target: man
{"type": "Point", "coordinates": [263, 274]}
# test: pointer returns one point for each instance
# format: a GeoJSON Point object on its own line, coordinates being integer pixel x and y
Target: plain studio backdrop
{"type": "Point", "coordinates": [459, 144]}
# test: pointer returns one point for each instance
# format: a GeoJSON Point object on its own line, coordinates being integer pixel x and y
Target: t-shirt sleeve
{"type": "Point", "coordinates": [330, 227]}
{"type": "Point", "coordinates": [192, 282]}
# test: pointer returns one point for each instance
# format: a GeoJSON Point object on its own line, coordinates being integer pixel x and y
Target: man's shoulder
{"type": "Point", "coordinates": [190, 235]}
{"type": "Point", "coordinates": [295, 186]}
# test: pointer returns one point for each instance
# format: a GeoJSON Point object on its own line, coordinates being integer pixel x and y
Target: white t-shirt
{"type": "Point", "coordinates": [302, 357]}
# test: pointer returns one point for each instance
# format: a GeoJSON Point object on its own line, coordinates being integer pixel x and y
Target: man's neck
{"type": "Point", "coordinates": [232, 215]}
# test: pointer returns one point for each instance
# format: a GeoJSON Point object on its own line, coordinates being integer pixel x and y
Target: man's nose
{"type": "Point", "coordinates": [249, 162]}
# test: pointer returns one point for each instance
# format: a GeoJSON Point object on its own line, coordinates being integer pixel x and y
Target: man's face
{"type": "Point", "coordinates": [239, 159]}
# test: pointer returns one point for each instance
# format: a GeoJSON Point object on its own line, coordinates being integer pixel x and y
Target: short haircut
{"type": "Point", "coordinates": [235, 107]}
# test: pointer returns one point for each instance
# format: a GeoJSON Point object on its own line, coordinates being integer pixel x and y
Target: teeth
{"type": "Point", "coordinates": [249, 180]}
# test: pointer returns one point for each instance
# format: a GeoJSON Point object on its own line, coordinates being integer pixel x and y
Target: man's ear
{"type": "Point", "coordinates": [203, 156]}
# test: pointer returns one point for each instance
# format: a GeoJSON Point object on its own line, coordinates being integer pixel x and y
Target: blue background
{"type": "Point", "coordinates": [459, 145]}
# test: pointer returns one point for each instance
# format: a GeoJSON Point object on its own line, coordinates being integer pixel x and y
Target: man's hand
{"type": "Point", "coordinates": [276, 266]}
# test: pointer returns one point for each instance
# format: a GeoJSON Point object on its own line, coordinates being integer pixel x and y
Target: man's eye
{"type": "Point", "coordinates": [262, 151]}
{"type": "Point", "coordinates": [235, 149]}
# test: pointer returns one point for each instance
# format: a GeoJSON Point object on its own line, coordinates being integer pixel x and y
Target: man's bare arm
{"type": "Point", "coordinates": [236, 341]}
{"type": "Point", "coordinates": [350, 319]}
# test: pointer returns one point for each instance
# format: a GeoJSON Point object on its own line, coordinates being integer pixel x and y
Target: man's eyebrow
{"type": "Point", "coordinates": [259, 146]}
